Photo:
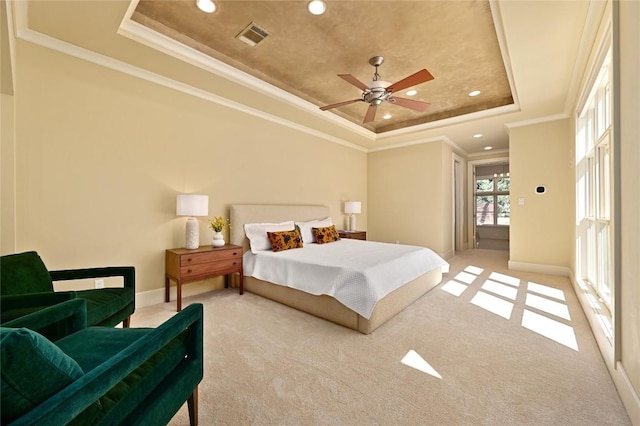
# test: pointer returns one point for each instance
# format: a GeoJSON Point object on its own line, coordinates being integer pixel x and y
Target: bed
{"type": "Point", "coordinates": [324, 305]}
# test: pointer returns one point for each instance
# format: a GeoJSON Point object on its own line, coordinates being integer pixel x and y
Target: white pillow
{"type": "Point", "coordinates": [257, 233]}
{"type": "Point", "coordinates": [306, 232]}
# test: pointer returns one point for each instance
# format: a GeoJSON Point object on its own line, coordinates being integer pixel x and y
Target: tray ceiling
{"type": "Point", "coordinates": [455, 40]}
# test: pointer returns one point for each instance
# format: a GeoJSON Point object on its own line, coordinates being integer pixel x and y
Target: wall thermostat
{"type": "Point", "coordinates": [541, 189]}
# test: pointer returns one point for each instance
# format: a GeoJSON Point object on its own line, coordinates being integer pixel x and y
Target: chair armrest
{"type": "Point", "coordinates": [83, 392]}
{"type": "Point", "coordinates": [127, 272]}
{"type": "Point", "coordinates": [30, 300]}
{"type": "Point", "coordinates": [72, 312]}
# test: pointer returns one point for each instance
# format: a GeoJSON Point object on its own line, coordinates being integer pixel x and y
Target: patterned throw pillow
{"type": "Point", "coordinates": [327, 234]}
{"type": "Point", "coordinates": [285, 240]}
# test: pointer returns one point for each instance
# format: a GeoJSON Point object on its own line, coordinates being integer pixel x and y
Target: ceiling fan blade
{"type": "Point", "coordinates": [339, 104]}
{"type": "Point", "coordinates": [414, 79]}
{"type": "Point", "coordinates": [371, 114]}
{"type": "Point", "coordinates": [410, 103]}
{"type": "Point", "coordinates": [351, 79]}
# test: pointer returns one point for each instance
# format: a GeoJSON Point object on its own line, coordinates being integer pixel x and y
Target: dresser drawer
{"type": "Point", "coordinates": [208, 257]}
{"type": "Point", "coordinates": [224, 266]}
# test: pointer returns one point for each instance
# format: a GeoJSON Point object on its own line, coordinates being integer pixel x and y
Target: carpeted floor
{"type": "Point", "coordinates": [488, 346]}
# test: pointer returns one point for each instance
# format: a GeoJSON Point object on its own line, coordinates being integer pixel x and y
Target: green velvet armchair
{"type": "Point", "coordinates": [27, 286]}
{"type": "Point", "coordinates": [99, 375]}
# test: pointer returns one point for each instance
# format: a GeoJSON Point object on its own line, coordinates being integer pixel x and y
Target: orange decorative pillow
{"type": "Point", "coordinates": [327, 234]}
{"type": "Point", "coordinates": [285, 240]}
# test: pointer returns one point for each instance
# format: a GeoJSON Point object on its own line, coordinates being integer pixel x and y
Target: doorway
{"type": "Point", "coordinates": [490, 204]}
{"type": "Point", "coordinates": [458, 205]}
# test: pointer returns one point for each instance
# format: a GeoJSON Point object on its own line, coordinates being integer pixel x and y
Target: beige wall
{"type": "Point", "coordinates": [7, 179]}
{"type": "Point", "coordinates": [100, 157]}
{"type": "Point", "coordinates": [409, 194]}
{"type": "Point", "coordinates": [541, 230]}
{"type": "Point", "coordinates": [630, 193]}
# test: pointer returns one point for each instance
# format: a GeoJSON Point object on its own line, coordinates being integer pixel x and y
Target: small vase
{"type": "Point", "coordinates": [218, 239]}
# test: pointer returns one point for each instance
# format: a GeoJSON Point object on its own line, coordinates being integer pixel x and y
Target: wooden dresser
{"type": "Point", "coordinates": [353, 235]}
{"type": "Point", "coordinates": [183, 266]}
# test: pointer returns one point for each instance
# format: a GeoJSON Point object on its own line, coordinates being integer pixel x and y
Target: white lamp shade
{"type": "Point", "coordinates": [351, 207]}
{"type": "Point", "coordinates": [192, 205]}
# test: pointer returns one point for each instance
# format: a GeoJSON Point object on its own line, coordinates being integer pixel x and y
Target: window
{"type": "Point", "coordinates": [593, 188]}
{"type": "Point", "coordinates": [492, 199]}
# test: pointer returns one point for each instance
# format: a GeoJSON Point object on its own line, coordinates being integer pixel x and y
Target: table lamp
{"type": "Point", "coordinates": [192, 205]}
{"type": "Point", "coordinates": [352, 207]}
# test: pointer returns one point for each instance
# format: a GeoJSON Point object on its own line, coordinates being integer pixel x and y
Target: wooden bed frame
{"type": "Point", "coordinates": [321, 306]}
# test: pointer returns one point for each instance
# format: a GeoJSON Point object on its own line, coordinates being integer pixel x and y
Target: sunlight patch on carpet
{"type": "Point", "coordinates": [550, 328]}
{"type": "Point", "coordinates": [546, 291]}
{"type": "Point", "coordinates": [500, 289]}
{"type": "Point", "coordinates": [496, 276]}
{"type": "Point", "coordinates": [465, 277]}
{"type": "Point", "coordinates": [549, 306]}
{"type": "Point", "coordinates": [414, 360]}
{"type": "Point", "coordinates": [493, 304]}
{"type": "Point", "coordinates": [455, 288]}
{"type": "Point", "coordinates": [473, 270]}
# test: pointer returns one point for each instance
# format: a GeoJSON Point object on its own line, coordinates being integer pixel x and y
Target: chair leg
{"type": "Point", "coordinates": [192, 404]}
{"type": "Point", "coordinates": [126, 322]}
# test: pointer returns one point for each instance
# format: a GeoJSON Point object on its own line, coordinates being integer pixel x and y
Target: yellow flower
{"type": "Point", "coordinates": [218, 223]}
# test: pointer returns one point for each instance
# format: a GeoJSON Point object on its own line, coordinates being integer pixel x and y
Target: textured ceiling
{"type": "Point", "coordinates": [454, 40]}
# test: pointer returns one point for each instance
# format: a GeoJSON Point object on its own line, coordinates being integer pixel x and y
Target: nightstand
{"type": "Point", "coordinates": [353, 235]}
{"type": "Point", "coordinates": [183, 266]}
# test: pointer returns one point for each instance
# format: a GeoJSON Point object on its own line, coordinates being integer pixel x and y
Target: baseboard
{"type": "Point", "coordinates": [447, 254]}
{"type": "Point", "coordinates": [153, 297]}
{"type": "Point", "coordinates": [562, 271]}
{"type": "Point", "coordinates": [628, 394]}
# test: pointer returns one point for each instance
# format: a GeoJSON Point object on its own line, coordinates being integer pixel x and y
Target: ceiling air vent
{"type": "Point", "coordinates": [252, 35]}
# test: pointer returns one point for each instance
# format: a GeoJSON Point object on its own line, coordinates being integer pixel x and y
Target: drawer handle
{"type": "Point", "coordinates": [188, 259]}
{"type": "Point", "coordinates": [188, 271]}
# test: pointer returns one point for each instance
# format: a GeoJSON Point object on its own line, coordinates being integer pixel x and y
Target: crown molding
{"type": "Point", "coordinates": [23, 32]}
{"type": "Point", "coordinates": [537, 120]}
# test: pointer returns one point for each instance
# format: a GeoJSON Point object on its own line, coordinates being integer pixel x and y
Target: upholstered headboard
{"type": "Point", "coordinates": [256, 213]}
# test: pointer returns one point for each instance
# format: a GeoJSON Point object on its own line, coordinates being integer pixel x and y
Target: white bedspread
{"type": "Point", "coordinates": [356, 273]}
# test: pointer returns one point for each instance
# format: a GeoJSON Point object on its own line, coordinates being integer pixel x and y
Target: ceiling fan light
{"type": "Point", "coordinates": [207, 6]}
{"type": "Point", "coordinates": [379, 84]}
{"type": "Point", "coordinates": [317, 7]}
{"type": "Point", "coordinates": [411, 92]}
{"type": "Point", "coordinates": [474, 93]}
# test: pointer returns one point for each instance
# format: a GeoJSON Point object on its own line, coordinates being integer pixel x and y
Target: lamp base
{"type": "Point", "coordinates": [192, 234]}
{"type": "Point", "coordinates": [352, 222]}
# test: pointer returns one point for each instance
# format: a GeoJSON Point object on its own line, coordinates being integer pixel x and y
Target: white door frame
{"type": "Point", "coordinates": [457, 199]}
{"type": "Point", "coordinates": [471, 179]}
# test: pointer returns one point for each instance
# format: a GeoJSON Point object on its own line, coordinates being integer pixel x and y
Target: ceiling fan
{"type": "Point", "coordinates": [379, 91]}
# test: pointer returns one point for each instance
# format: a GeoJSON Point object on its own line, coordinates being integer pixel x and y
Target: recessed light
{"type": "Point", "coordinates": [207, 6]}
{"type": "Point", "coordinates": [411, 92]}
{"type": "Point", "coordinates": [474, 93]}
{"type": "Point", "coordinates": [317, 7]}
{"type": "Point", "coordinates": [488, 148]}
{"type": "Point", "coordinates": [386, 116]}
{"type": "Point", "coordinates": [477, 135]}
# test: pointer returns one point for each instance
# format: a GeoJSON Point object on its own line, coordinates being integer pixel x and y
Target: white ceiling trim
{"type": "Point", "coordinates": [420, 142]}
{"type": "Point", "coordinates": [537, 120]}
{"type": "Point", "coordinates": [487, 153]}
{"type": "Point", "coordinates": [598, 12]}
{"type": "Point", "coordinates": [23, 32]}
{"type": "Point", "coordinates": [473, 116]}
{"type": "Point", "coordinates": [150, 38]}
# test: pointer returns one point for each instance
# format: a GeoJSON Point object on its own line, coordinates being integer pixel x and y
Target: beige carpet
{"type": "Point", "coordinates": [489, 347]}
